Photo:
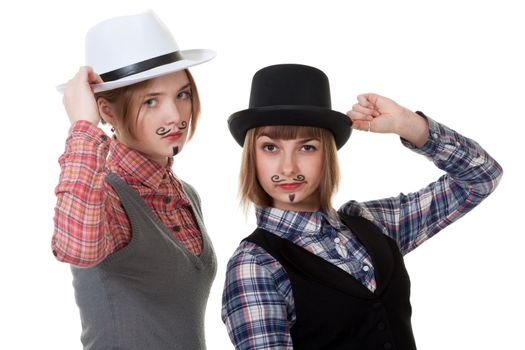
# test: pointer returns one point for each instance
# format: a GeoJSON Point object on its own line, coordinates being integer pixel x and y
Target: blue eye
{"type": "Point", "coordinates": [150, 102]}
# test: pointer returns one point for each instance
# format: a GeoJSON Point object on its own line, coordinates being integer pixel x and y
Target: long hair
{"type": "Point", "coordinates": [251, 191]}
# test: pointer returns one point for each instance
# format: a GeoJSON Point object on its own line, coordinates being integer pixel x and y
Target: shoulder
{"type": "Point", "coordinates": [360, 209]}
{"type": "Point", "coordinates": [368, 211]}
{"type": "Point", "coordinates": [249, 261]}
{"type": "Point", "coordinates": [251, 269]}
{"type": "Point", "coordinates": [248, 253]}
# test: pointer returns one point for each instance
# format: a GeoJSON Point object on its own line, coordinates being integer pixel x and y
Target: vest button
{"type": "Point", "coordinates": [387, 345]}
{"type": "Point", "coordinates": [167, 199]}
{"type": "Point", "coordinates": [381, 326]}
{"type": "Point", "coordinates": [376, 305]}
{"type": "Point", "coordinates": [176, 228]}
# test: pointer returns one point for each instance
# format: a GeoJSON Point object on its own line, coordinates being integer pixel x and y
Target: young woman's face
{"type": "Point", "coordinates": [290, 171]}
{"type": "Point", "coordinates": [164, 117]}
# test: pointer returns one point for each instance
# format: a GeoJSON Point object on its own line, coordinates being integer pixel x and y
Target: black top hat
{"type": "Point", "coordinates": [290, 94]}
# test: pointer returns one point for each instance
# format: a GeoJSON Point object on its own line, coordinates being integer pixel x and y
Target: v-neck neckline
{"type": "Point", "coordinates": [197, 260]}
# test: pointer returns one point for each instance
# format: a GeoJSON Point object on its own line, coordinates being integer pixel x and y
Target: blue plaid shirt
{"type": "Point", "coordinates": [258, 307]}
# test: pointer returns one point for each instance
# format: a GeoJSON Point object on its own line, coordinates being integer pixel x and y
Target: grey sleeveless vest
{"type": "Point", "coordinates": [151, 294]}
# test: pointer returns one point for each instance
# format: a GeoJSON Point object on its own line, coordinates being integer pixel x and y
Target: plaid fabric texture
{"type": "Point", "coordinates": [258, 308]}
{"type": "Point", "coordinates": [90, 222]}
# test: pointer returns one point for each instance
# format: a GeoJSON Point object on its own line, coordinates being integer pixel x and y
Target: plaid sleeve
{"type": "Point", "coordinates": [471, 175]}
{"type": "Point", "coordinates": [81, 232]}
{"type": "Point", "coordinates": [254, 308]}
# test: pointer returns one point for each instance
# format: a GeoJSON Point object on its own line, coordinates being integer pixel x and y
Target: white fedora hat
{"type": "Point", "coordinates": [130, 49]}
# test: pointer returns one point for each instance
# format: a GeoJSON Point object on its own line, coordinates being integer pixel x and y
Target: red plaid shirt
{"type": "Point", "coordinates": [90, 222]}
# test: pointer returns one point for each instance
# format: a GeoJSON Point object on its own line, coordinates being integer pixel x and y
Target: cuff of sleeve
{"type": "Point", "coordinates": [85, 140]}
{"type": "Point", "coordinates": [82, 129]}
{"type": "Point", "coordinates": [434, 135]}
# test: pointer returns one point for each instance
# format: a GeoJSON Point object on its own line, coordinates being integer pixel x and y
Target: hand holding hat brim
{"type": "Point", "coordinates": [191, 58]}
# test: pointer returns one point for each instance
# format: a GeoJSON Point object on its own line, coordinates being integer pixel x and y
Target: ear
{"type": "Point", "coordinates": [106, 111]}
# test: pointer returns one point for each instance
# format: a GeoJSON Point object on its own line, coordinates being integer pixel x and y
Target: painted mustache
{"type": "Point", "coordinates": [163, 131]}
{"type": "Point", "coordinates": [278, 179]}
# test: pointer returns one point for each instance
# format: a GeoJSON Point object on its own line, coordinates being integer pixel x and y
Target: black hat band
{"type": "Point", "coordinates": [141, 66]}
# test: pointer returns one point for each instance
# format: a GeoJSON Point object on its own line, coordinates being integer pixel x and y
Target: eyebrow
{"type": "Point", "coordinates": [185, 86]}
{"type": "Point", "coordinates": [153, 94]}
{"type": "Point", "coordinates": [310, 139]}
{"type": "Point", "coordinates": [305, 140]}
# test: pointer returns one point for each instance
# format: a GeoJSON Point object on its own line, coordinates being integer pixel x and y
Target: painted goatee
{"type": "Point", "coordinates": [291, 196]}
{"type": "Point", "coordinates": [175, 150]}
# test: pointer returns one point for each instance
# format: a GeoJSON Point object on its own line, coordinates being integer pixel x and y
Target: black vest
{"type": "Point", "coordinates": [334, 310]}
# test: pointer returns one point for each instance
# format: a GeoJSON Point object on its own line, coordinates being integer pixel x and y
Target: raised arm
{"type": "Point", "coordinates": [471, 173]}
{"type": "Point", "coordinates": [82, 229]}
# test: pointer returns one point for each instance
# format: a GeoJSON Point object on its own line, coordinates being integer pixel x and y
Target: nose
{"type": "Point", "coordinates": [172, 115]}
{"type": "Point", "coordinates": [288, 164]}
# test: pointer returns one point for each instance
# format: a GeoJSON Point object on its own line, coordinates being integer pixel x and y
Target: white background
{"type": "Point", "coordinates": [461, 62]}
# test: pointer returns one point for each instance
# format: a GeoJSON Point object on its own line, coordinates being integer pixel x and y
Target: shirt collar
{"type": "Point", "coordinates": [286, 223]}
{"type": "Point", "coordinates": [136, 165]}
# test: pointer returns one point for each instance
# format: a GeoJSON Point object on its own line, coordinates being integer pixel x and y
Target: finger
{"type": "Point", "coordinates": [84, 71]}
{"type": "Point", "coordinates": [91, 76]}
{"type": "Point", "coordinates": [364, 100]}
{"type": "Point", "coordinates": [363, 125]}
{"type": "Point", "coordinates": [94, 78]}
{"type": "Point", "coordinates": [354, 115]}
{"type": "Point", "coordinates": [369, 111]}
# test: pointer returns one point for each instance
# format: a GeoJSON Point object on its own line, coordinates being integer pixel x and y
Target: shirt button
{"type": "Point", "coordinates": [55, 253]}
{"type": "Point", "coordinates": [176, 228]}
{"type": "Point", "coordinates": [376, 305]}
{"type": "Point", "coordinates": [381, 326]}
{"type": "Point", "coordinates": [387, 345]}
{"type": "Point", "coordinates": [167, 199]}
{"type": "Point", "coordinates": [103, 138]}
{"type": "Point", "coordinates": [164, 176]}
{"type": "Point", "coordinates": [366, 268]}
{"type": "Point", "coordinates": [337, 240]}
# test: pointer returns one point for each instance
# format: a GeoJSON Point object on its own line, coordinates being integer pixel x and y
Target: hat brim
{"type": "Point", "coordinates": [338, 123]}
{"type": "Point", "coordinates": [191, 58]}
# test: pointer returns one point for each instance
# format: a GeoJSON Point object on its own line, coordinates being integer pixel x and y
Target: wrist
{"type": "Point", "coordinates": [413, 128]}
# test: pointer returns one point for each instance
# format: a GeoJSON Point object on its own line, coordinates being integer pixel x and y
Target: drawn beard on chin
{"type": "Point", "coordinates": [175, 150]}
{"type": "Point", "coordinates": [291, 196]}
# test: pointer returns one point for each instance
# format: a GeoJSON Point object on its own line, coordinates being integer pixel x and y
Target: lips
{"type": "Point", "coordinates": [290, 186]}
{"type": "Point", "coordinates": [173, 136]}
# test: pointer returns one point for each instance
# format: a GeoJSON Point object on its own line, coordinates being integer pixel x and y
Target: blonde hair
{"type": "Point", "coordinates": [251, 191]}
{"type": "Point", "coordinates": [126, 104]}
